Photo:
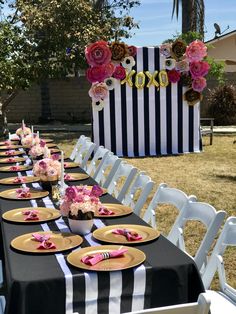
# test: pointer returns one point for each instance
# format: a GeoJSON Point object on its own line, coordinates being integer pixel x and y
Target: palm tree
{"type": "Point", "coordinates": [193, 14]}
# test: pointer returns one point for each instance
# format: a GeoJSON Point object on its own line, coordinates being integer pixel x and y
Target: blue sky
{"type": "Point", "coordinates": [156, 25]}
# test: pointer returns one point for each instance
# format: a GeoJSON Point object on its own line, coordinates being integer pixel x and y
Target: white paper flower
{"type": "Point", "coordinates": [98, 105]}
{"type": "Point", "coordinates": [170, 64]}
{"type": "Point", "coordinates": [128, 62]}
{"type": "Point", "coordinates": [110, 82]}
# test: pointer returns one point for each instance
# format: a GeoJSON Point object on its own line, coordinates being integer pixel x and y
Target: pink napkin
{"type": "Point", "coordinates": [44, 243]}
{"type": "Point", "coordinates": [9, 152]}
{"type": "Point", "coordinates": [19, 180]}
{"type": "Point", "coordinates": [96, 258]}
{"type": "Point", "coordinates": [31, 214]}
{"type": "Point", "coordinates": [11, 159]}
{"type": "Point", "coordinates": [8, 143]}
{"type": "Point", "coordinates": [130, 235]}
{"type": "Point", "coordinates": [67, 176]}
{"type": "Point", "coordinates": [15, 168]}
{"type": "Point", "coordinates": [104, 211]}
{"type": "Point", "coordinates": [65, 165]}
{"type": "Point", "coordinates": [23, 192]}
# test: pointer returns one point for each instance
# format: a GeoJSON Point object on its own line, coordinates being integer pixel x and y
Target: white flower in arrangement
{"type": "Point", "coordinates": [98, 105]}
{"type": "Point", "coordinates": [128, 63]}
{"type": "Point", "coordinates": [170, 64]}
{"type": "Point", "coordinates": [110, 82]}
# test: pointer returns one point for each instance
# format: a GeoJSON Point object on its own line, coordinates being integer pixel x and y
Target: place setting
{"type": "Point", "coordinates": [19, 180]}
{"type": "Point", "coordinates": [112, 210]}
{"type": "Point", "coordinates": [23, 193]}
{"type": "Point", "coordinates": [75, 176]}
{"type": "Point", "coordinates": [12, 153]}
{"type": "Point", "coordinates": [12, 160]}
{"type": "Point", "coordinates": [12, 146]}
{"type": "Point", "coordinates": [71, 164]}
{"type": "Point", "coordinates": [15, 168]}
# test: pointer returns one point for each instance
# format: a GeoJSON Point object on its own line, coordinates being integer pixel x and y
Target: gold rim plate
{"type": "Point", "coordinates": [105, 234]}
{"type": "Point", "coordinates": [28, 179]}
{"type": "Point", "coordinates": [11, 194]}
{"type": "Point", "coordinates": [63, 241]}
{"type": "Point", "coordinates": [45, 214]}
{"type": "Point", "coordinates": [12, 142]}
{"type": "Point", "coordinates": [55, 150]}
{"type": "Point", "coordinates": [21, 168]}
{"type": "Point", "coordinates": [70, 164]}
{"type": "Point", "coordinates": [47, 140]}
{"type": "Point", "coordinates": [118, 209]}
{"type": "Point", "coordinates": [16, 159]}
{"type": "Point", "coordinates": [49, 145]}
{"type": "Point", "coordinates": [77, 176]}
{"type": "Point", "coordinates": [15, 153]}
{"type": "Point", "coordinates": [10, 147]}
{"type": "Point", "coordinates": [133, 257]}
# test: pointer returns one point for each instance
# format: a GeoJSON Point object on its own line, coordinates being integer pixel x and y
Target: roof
{"type": "Point", "coordinates": [221, 37]}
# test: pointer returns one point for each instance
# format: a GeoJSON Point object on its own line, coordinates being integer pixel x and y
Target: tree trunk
{"type": "Point", "coordinates": [186, 15]}
{"type": "Point", "coordinates": [46, 114]}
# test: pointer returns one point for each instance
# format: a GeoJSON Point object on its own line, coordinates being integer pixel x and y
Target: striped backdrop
{"type": "Point", "coordinates": [147, 122]}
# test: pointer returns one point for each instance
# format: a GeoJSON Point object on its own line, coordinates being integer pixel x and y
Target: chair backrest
{"type": "Point", "coordinates": [84, 153]}
{"type": "Point", "coordinates": [125, 173]}
{"type": "Point", "coordinates": [202, 306]}
{"type": "Point", "coordinates": [107, 169]}
{"type": "Point", "coordinates": [100, 153]}
{"type": "Point", "coordinates": [82, 139]}
{"type": "Point", "coordinates": [215, 263]}
{"type": "Point", "coordinates": [165, 195]}
{"type": "Point", "coordinates": [204, 213]}
{"type": "Point", "coordinates": [142, 184]}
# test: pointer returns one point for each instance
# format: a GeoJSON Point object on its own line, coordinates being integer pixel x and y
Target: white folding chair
{"type": "Point", "coordinates": [202, 306]}
{"type": "Point", "coordinates": [124, 173]}
{"type": "Point", "coordinates": [84, 153]}
{"type": "Point", "coordinates": [165, 195]}
{"type": "Point", "coordinates": [100, 153]}
{"type": "Point", "coordinates": [82, 139]}
{"type": "Point", "coordinates": [223, 301]}
{"type": "Point", "coordinates": [107, 169]}
{"type": "Point", "coordinates": [142, 184]}
{"type": "Point", "coordinates": [207, 215]}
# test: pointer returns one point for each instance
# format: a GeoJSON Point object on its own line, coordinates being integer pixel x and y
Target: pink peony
{"type": "Point", "coordinates": [199, 84]}
{"type": "Point", "coordinates": [132, 51]}
{"type": "Point", "coordinates": [119, 72]}
{"type": "Point", "coordinates": [109, 69]}
{"type": "Point", "coordinates": [173, 76]}
{"type": "Point", "coordinates": [96, 74]}
{"type": "Point", "coordinates": [98, 53]}
{"type": "Point", "coordinates": [98, 91]}
{"type": "Point", "coordinates": [196, 51]}
{"type": "Point", "coordinates": [199, 68]}
{"type": "Point", "coordinates": [96, 191]}
{"type": "Point", "coordinates": [71, 193]}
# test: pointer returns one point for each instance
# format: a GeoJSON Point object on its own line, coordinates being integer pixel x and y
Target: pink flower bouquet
{"type": "Point", "coordinates": [29, 140]}
{"type": "Point", "coordinates": [39, 150]}
{"type": "Point", "coordinates": [23, 131]}
{"type": "Point", "coordinates": [47, 169]}
{"type": "Point", "coordinates": [196, 51]}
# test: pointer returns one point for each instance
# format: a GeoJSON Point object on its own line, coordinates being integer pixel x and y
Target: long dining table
{"type": "Point", "coordinates": [46, 283]}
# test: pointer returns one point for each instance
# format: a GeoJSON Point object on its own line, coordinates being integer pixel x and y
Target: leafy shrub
{"type": "Point", "coordinates": [222, 104]}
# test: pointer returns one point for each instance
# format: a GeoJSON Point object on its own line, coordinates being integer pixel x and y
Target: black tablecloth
{"type": "Point", "coordinates": [36, 284]}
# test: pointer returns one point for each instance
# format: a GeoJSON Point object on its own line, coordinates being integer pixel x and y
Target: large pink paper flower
{"type": "Point", "coordinates": [132, 51]}
{"type": "Point", "coordinates": [119, 72]}
{"type": "Point", "coordinates": [109, 69]}
{"type": "Point", "coordinates": [98, 53]}
{"type": "Point", "coordinates": [199, 84]}
{"type": "Point", "coordinates": [173, 76]}
{"type": "Point", "coordinates": [199, 68]}
{"type": "Point", "coordinates": [96, 74]}
{"type": "Point", "coordinates": [196, 51]}
{"type": "Point", "coordinates": [98, 91]}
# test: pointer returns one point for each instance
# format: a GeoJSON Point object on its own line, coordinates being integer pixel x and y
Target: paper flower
{"type": "Point", "coordinates": [110, 82]}
{"type": "Point", "coordinates": [192, 97]}
{"type": "Point", "coordinates": [173, 76]}
{"type": "Point", "coordinates": [182, 66]}
{"type": "Point", "coordinates": [119, 72]}
{"type": "Point", "coordinates": [119, 51]}
{"type": "Point", "coordinates": [199, 68]}
{"type": "Point", "coordinates": [98, 91]}
{"type": "Point", "coordinates": [98, 53]}
{"type": "Point", "coordinates": [196, 51]}
{"type": "Point", "coordinates": [96, 74]}
{"type": "Point", "coordinates": [98, 105]}
{"type": "Point", "coordinates": [132, 51]}
{"type": "Point", "coordinates": [186, 79]}
{"type": "Point", "coordinates": [178, 49]}
{"type": "Point", "coordinates": [170, 64]}
{"type": "Point", "coordinates": [199, 84]}
{"type": "Point", "coordinates": [128, 62]}
{"type": "Point", "coordinates": [165, 50]}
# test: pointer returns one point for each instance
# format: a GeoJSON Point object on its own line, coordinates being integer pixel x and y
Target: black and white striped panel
{"type": "Point", "coordinates": [147, 122]}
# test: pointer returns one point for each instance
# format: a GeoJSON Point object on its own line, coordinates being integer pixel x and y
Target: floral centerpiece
{"type": "Point", "coordinates": [39, 150]}
{"type": "Point", "coordinates": [23, 130]}
{"type": "Point", "coordinates": [79, 204]}
{"type": "Point", "coordinates": [30, 140]}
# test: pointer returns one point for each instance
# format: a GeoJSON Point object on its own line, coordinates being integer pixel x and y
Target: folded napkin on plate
{"type": "Point", "coordinates": [44, 241]}
{"type": "Point", "coordinates": [31, 214]}
{"type": "Point", "coordinates": [130, 235]}
{"type": "Point", "coordinates": [9, 152]}
{"type": "Point", "coordinates": [96, 258]}
{"type": "Point", "coordinates": [67, 177]}
{"type": "Point", "coordinates": [15, 168]}
{"type": "Point", "coordinates": [11, 159]}
{"type": "Point", "coordinates": [19, 180]}
{"type": "Point", "coordinates": [23, 193]}
{"type": "Point", "coordinates": [104, 211]}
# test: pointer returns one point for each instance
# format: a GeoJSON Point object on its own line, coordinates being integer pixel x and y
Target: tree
{"type": "Point", "coordinates": [193, 15]}
{"type": "Point", "coordinates": [44, 39]}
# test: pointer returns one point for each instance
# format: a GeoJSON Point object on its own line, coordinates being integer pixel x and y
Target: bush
{"type": "Point", "coordinates": [222, 104]}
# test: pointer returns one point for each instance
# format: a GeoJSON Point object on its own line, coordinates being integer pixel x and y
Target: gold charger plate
{"type": "Point", "coordinates": [21, 168]}
{"type": "Point", "coordinates": [77, 176]}
{"type": "Point", "coordinates": [28, 179]}
{"type": "Point", "coordinates": [14, 153]}
{"type": "Point", "coordinates": [55, 150]}
{"type": "Point", "coordinates": [10, 147]}
{"type": "Point", "coordinates": [11, 194]}
{"type": "Point", "coordinates": [47, 140]}
{"type": "Point", "coordinates": [70, 164]}
{"type": "Point", "coordinates": [45, 214]}
{"type": "Point", "coordinates": [118, 209]}
{"type": "Point", "coordinates": [105, 234]}
{"type": "Point", "coordinates": [12, 142]}
{"type": "Point", "coordinates": [131, 258]}
{"type": "Point", "coordinates": [63, 241]}
{"type": "Point", "coordinates": [51, 145]}
{"type": "Point", "coordinates": [16, 159]}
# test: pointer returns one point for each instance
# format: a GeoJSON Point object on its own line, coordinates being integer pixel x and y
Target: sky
{"type": "Point", "coordinates": [156, 25]}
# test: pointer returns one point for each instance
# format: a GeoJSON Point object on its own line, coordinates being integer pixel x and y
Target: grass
{"type": "Point", "coordinates": [210, 175]}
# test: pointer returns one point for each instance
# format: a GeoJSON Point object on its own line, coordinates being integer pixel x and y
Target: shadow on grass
{"type": "Point", "coordinates": [226, 177]}
{"type": "Point", "coordinates": [59, 137]}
